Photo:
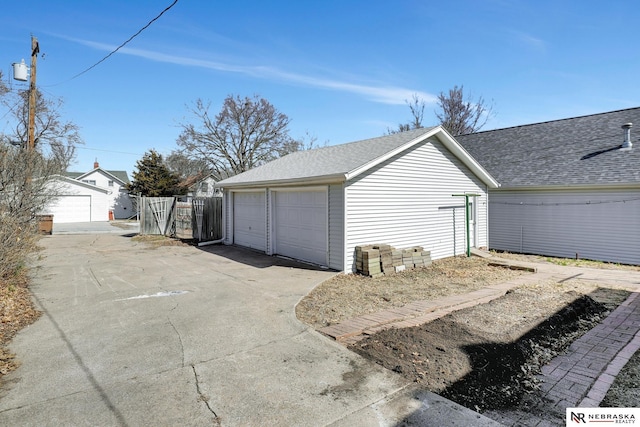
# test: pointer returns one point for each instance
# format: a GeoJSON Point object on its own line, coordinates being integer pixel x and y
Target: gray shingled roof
{"type": "Point", "coordinates": [121, 175]}
{"type": "Point", "coordinates": [579, 151]}
{"type": "Point", "coordinates": [325, 162]}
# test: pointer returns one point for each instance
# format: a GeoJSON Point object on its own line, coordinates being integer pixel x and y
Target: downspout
{"type": "Point", "coordinates": [211, 242]}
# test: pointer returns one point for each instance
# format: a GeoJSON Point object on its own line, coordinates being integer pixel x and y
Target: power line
{"type": "Point", "coordinates": [107, 151]}
{"type": "Point", "coordinates": [122, 45]}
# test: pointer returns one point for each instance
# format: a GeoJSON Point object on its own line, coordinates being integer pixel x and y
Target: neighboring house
{"type": "Point", "coordinates": [317, 205]}
{"type": "Point", "coordinates": [199, 186]}
{"type": "Point", "coordinates": [77, 201]}
{"type": "Point", "coordinates": [567, 188]}
{"type": "Point", "coordinates": [114, 181]}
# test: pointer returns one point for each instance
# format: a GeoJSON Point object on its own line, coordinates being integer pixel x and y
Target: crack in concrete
{"type": "Point", "coordinates": [179, 339]}
{"type": "Point", "coordinates": [93, 276]}
{"type": "Point", "coordinates": [259, 346]}
{"type": "Point", "coordinates": [203, 398]}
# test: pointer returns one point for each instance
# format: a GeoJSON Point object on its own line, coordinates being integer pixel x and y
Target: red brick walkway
{"type": "Point", "coordinates": [582, 375]}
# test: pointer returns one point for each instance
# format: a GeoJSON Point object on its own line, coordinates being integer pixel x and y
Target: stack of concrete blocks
{"type": "Point", "coordinates": [376, 260]}
{"type": "Point", "coordinates": [416, 256]}
{"type": "Point", "coordinates": [386, 259]}
{"type": "Point", "coordinates": [368, 261]}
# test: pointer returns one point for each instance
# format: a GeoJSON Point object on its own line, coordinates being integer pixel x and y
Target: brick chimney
{"type": "Point", "coordinates": [96, 165]}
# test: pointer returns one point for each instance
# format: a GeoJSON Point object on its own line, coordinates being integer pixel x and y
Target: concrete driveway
{"type": "Point", "coordinates": [184, 336]}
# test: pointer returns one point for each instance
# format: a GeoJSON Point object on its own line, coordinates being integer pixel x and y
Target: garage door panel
{"type": "Point", "coordinates": [71, 208]}
{"type": "Point", "coordinates": [301, 225]}
{"type": "Point", "coordinates": [249, 225]}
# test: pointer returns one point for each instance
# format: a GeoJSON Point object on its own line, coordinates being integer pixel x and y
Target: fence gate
{"type": "Point", "coordinates": [183, 227]}
{"type": "Point", "coordinates": [200, 220]}
{"type": "Point", "coordinates": [157, 215]}
{"type": "Point", "coordinates": [207, 218]}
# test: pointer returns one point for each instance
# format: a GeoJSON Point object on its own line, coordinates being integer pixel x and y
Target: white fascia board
{"type": "Point", "coordinates": [81, 184]}
{"type": "Point", "coordinates": [316, 180]}
{"type": "Point", "coordinates": [448, 141]}
{"type": "Point", "coordinates": [354, 173]}
{"type": "Point", "coordinates": [104, 172]}
{"type": "Point", "coordinates": [452, 145]}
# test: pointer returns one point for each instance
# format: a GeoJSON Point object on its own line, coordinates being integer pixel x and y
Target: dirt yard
{"type": "Point", "coordinates": [484, 357]}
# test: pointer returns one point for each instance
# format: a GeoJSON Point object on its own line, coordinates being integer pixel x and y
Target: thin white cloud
{"type": "Point", "coordinates": [381, 94]}
{"type": "Point", "coordinates": [529, 40]}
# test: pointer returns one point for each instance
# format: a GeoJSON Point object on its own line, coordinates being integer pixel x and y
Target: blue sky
{"type": "Point", "coordinates": [340, 70]}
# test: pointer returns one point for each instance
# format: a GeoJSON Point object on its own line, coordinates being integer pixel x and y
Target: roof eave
{"type": "Point", "coordinates": [612, 186]}
{"type": "Point", "coordinates": [103, 171]}
{"type": "Point", "coordinates": [458, 150]}
{"type": "Point", "coordinates": [316, 180]}
{"type": "Point", "coordinates": [363, 168]}
{"type": "Point", "coordinates": [81, 184]}
{"type": "Point", "coordinates": [448, 141]}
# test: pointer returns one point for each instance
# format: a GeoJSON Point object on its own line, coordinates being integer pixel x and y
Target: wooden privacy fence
{"type": "Point", "coordinates": [206, 218]}
{"type": "Point", "coordinates": [157, 215]}
{"type": "Point", "coordinates": [200, 219]}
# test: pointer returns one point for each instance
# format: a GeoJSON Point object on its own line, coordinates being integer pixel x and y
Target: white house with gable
{"type": "Point", "coordinates": [97, 195]}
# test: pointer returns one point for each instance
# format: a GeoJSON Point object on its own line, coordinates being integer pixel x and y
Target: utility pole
{"type": "Point", "coordinates": [35, 49]}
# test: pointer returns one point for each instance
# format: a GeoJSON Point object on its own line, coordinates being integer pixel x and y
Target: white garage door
{"type": "Point", "coordinates": [301, 225]}
{"type": "Point", "coordinates": [249, 221]}
{"type": "Point", "coordinates": [71, 209]}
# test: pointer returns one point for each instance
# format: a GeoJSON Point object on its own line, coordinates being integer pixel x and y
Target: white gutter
{"type": "Point", "coordinates": [316, 180]}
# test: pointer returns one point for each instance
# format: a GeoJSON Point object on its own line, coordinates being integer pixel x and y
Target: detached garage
{"type": "Point", "coordinates": [76, 201]}
{"type": "Point", "coordinates": [318, 205]}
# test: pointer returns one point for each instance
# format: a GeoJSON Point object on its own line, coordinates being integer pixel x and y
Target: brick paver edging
{"type": "Point", "coordinates": [582, 376]}
{"type": "Point", "coordinates": [628, 319]}
{"type": "Point", "coordinates": [419, 312]}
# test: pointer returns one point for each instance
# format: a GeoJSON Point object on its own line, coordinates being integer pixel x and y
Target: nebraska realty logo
{"type": "Point", "coordinates": [581, 416]}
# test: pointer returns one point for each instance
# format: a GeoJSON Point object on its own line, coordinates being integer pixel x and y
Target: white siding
{"type": "Point", "coordinates": [71, 197]}
{"type": "Point", "coordinates": [336, 227]}
{"type": "Point", "coordinates": [407, 201]}
{"type": "Point", "coordinates": [119, 200]}
{"type": "Point", "coordinates": [601, 225]}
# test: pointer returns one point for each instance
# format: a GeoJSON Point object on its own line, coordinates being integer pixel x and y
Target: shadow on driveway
{"type": "Point", "coordinates": [258, 259]}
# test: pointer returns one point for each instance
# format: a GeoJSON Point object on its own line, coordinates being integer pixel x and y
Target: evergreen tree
{"type": "Point", "coordinates": [153, 178]}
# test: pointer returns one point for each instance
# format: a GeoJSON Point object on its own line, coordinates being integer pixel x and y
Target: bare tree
{"type": "Point", "coordinates": [25, 190]}
{"type": "Point", "coordinates": [246, 133]}
{"type": "Point", "coordinates": [460, 116]}
{"type": "Point", "coordinates": [26, 176]}
{"type": "Point", "coordinates": [184, 166]}
{"type": "Point", "coordinates": [53, 135]}
{"type": "Point", "coordinates": [3, 87]}
{"type": "Point", "coordinates": [416, 106]}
